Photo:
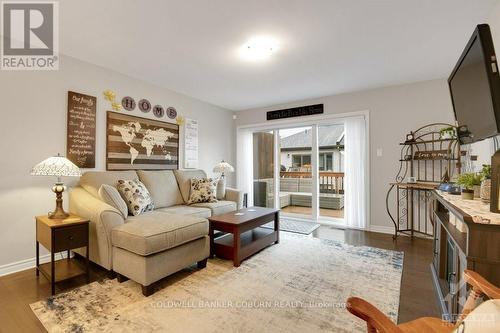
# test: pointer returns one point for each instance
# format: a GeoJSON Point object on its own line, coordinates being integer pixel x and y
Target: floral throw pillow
{"type": "Point", "coordinates": [203, 190]}
{"type": "Point", "coordinates": [136, 195]}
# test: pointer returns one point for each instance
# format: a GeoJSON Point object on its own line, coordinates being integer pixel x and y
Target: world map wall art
{"type": "Point", "coordinates": [135, 143]}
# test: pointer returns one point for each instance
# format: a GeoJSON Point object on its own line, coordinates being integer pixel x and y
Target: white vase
{"type": "Point", "coordinates": [486, 190]}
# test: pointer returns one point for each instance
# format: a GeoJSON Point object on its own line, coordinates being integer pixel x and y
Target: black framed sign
{"type": "Point", "coordinates": [300, 111]}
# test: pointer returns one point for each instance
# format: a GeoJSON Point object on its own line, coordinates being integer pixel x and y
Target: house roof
{"type": "Point", "coordinates": [328, 136]}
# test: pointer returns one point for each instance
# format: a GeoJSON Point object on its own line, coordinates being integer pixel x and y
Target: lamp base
{"type": "Point", "coordinates": [221, 188]}
{"type": "Point", "coordinates": [59, 213]}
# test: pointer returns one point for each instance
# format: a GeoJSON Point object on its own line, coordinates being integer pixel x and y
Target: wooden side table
{"type": "Point", "coordinates": [58, 235]}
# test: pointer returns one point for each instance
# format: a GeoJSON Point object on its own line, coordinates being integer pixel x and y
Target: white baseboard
{"type": "Point", "coordinates": [28, 263]}
{"type": "Point", "coordinates": [382, 229]}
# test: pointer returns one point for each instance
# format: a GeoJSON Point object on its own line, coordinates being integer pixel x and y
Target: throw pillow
{"type": "Point", "coordinates": [202, 190]}
{"type": "Point", "coordinates": [112, 197]}
{"type": "Point", "coordinates": [136, 195]}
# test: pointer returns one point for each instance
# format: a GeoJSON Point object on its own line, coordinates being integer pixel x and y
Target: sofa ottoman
{"type": "Point", "coordinates": [154, 245]}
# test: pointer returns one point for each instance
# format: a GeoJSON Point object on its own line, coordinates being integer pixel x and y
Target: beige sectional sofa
{"type": "Point", "coordinates": [152, 245]}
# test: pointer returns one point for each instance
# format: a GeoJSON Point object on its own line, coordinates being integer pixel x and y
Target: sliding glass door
{"type": "Point", "coordinates": [317, 171]}
{"type": "Point", "coordinates": [295, 177]}
{"type": "Point", "coordinates": [263, 169]}
{"type": "Point", "coordinates": [331, 170]}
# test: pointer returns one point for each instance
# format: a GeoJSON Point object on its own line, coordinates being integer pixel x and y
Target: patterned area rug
{"type": "Point", "coordinates": [299, 285]}
{"type": "Point", "coordinates": [297, 227]}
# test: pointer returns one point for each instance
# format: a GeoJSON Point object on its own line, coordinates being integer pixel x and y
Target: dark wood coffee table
{"type": "Point", "coordinates": [245, 235]}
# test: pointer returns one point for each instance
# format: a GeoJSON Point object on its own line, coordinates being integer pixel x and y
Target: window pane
{"type": "Point", "coordinates": [306, 160]}
{"type": "Point", "coordinates": [329, 162]}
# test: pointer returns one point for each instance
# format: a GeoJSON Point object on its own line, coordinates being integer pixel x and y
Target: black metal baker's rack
{"type": "Point", "coordinates": [426, 159]}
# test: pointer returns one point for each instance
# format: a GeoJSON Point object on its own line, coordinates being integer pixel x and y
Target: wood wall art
{"type": "Point", "coordinates": [80, 130]}
{"type": "Point", "coordinates": [135, 143]}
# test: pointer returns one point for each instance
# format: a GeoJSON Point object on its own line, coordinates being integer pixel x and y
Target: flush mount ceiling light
{"type": "Point", "coordinates": [258, 48]}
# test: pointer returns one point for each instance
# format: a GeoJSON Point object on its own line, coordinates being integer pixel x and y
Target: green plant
{"type": "Point", "coordinates": [486, 172]}
{"type": "Point", "coordinates": [469, 180]}
{"type": "Point", "coordinates": [451, 131]}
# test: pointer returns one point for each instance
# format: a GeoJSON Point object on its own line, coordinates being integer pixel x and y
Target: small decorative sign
{"type": "Point", "coordinates": [144, 105]}
{"type": "Point", "coordinates": [191, 144]}
{"type": "Point", "coordinates": [81, 124]}
{"type": "Point", "coordinates": [300, 111]}
{"type": "Point", "coordinates": [158, 111]}
{"type": "Point", "coordinates": [128, 103]}
{"type": "Point", "coordinates": [432, 155]}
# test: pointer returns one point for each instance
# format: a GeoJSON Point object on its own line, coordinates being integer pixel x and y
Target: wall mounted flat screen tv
{"type": "Point", "coordinates": [475, 87]}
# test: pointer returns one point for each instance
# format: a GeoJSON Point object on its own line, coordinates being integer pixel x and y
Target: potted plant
{"type": "Point", "coordinates": [468, 181]}
{"type": "Point", "coordinates": [485, 183]}
{"type": "Point", "coordinates": [448, 132]}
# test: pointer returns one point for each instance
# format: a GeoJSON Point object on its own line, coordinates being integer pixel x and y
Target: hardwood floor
{"type": "Point", "coordinates": [18, 290]}
{"type": "Point", "coordinates": [417, 292]}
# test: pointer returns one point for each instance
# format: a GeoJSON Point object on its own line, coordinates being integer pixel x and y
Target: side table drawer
{"type": "Point", "coordinates": [70, 237]}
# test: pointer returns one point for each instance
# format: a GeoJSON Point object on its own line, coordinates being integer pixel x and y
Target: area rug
{"type": "Point", "coordinates": [297, 227]}
{"type": "Point", "coordinates": [298, 285]}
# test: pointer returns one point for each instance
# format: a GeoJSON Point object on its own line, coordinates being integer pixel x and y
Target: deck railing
{"type": "Point", "coordinates": [329, 182]}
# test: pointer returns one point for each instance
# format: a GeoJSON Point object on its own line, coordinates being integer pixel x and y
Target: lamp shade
{"type": "Point", "coordinates": [56, 166]}
{"type": "Point", "coordinates": [223, 167]}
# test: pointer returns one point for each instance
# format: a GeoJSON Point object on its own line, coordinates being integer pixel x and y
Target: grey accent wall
{"type": "Point", "coordinates": [394, 111]}
{"type": "Point", "coordinates": [33, 127]}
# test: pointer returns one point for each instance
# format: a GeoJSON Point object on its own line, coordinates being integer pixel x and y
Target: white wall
{"type": "Point", "coordinates": [394, 111]}
{"type": "Point", "coordinates": [33, 127]}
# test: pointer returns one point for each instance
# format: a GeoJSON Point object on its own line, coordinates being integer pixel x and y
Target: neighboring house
{"type": "Point", "coordinates": [296, 150]}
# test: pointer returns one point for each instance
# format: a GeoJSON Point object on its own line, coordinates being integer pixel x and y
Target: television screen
{"type": "Point", "coordinates": [475, 87]}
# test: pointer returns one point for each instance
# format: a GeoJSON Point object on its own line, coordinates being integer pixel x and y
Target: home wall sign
{"type": "Point", "coordinates": [171, 112]}
{"type": "Point", "coordinates": [144, 105]}
{"type": "Point", "coordinates": [128, 103]}
{"type": "Point", "coordinates": [81, 133]}
{"type": "Point", "coordinates": [158, 111]}
{"type": "Point", "coordinates": [135, 143]}
{"type": "Point", "coordinates": [300, 111]}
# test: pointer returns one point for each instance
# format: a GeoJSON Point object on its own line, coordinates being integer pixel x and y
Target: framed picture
{"type": "Point", "coordinates": [135, 143]}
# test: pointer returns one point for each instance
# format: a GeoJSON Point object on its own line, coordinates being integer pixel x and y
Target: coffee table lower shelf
{"type": "Point", "coordinates": [251, 242]}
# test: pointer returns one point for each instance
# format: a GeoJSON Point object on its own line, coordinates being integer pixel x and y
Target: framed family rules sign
{"type": "Point", "coordinates": [81, 129]}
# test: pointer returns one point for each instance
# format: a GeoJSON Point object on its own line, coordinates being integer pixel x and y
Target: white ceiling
{"type": "Point", "coordinates": [326, 47]}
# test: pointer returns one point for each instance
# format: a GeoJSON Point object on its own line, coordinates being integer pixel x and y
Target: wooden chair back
{"type": "Point", "coordinates": [376, 321]}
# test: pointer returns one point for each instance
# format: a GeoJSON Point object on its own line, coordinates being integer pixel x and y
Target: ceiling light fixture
{"type": "Point", "coordinates": [258, 48]}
